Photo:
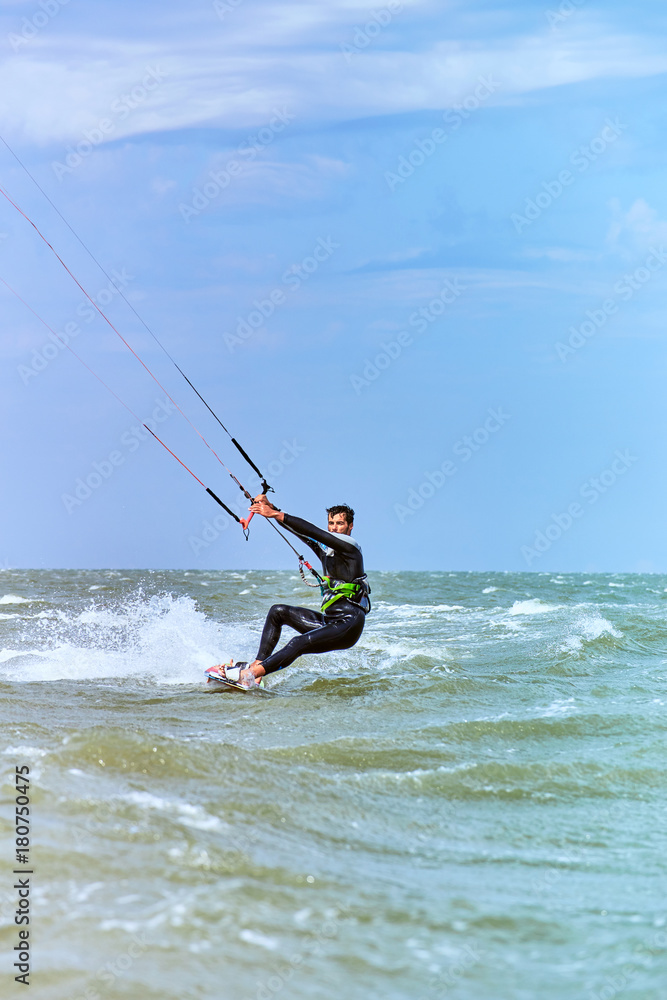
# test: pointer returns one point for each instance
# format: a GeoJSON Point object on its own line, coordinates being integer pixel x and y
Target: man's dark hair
{"type": "Point", "coordinates": [342, 508]}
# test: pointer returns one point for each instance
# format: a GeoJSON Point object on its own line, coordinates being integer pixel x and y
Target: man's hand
{"type": "Point", "coordinates": [261, 505]}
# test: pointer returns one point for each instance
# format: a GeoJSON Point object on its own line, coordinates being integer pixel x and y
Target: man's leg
{"type": "Point", "coordinates": [300, 619]}
{"type": "Point", "coordinates": [339, 632]}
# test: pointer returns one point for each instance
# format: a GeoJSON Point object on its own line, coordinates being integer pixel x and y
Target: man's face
{"type": "Point", "coordinates": [338, 524]}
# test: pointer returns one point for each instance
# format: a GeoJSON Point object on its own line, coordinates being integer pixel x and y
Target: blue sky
{"type": "Point", "coordinates": [454, 219]}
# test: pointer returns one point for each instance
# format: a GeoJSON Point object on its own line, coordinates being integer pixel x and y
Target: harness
{"type": "Point", "coordinates": [333, 590]}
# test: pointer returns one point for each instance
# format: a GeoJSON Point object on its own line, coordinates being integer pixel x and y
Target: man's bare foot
{"type": "Point", "coordinates": [246, 674]}
{"type": "Point", "coordinates": [252, 674]}
{"type": "Point", "coordinates": [240, 673]}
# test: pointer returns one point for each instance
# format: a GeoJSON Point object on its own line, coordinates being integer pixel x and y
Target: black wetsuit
{"type": "Point", "coordinates": [343, 621]}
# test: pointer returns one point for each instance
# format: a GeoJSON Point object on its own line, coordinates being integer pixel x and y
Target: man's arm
{"type": "Point", "coordinates": [304, 529]}
{"type": "Point", "coordinates": [330, 539]}
{"type": "Point", "coordinates": [264, 507]}
{"type": "Point", "coordinates": [261, 505]}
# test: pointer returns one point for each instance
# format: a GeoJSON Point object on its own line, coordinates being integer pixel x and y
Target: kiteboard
{"type": "Point", "coordinates": [216, 681]}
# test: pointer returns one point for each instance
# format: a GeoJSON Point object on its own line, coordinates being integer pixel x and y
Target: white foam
{"type": "Point", "coordinates": [83, 894]}
{"type": "Point", "coordinates": [162, 637]}
{"type": "Point", "coordinates": [10, 654]}
{"type": "Point", "coordinates": [13, 599]}
{"type": "Point", "coordinates": [414, 610]}
{"type": "Point", "coordinates": [252, 937]}
{"type": "Point", "coordinates": [489, 590]}
{"type": "Point", "coordinates": [532, 607]}
{"type": "Point", "coordinates": [556, 708]}
{"type": "Point", "coordinates": [25, 751]}
{"type": "Point", "coordinates": [587, 627]}
{"type": "Point", "coordinates": [192, 816]}
{"type": "Point", "coordinates": [131, 926]}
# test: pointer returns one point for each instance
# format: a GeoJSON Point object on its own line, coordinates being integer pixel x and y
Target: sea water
{"type": "Point", "coordinates": [468, 804]}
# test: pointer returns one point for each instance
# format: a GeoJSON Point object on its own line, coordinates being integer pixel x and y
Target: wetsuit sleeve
{"type": "Point", "coordinates": [317, 548]}
{"type": "Point", "coordinates": [311, 533]}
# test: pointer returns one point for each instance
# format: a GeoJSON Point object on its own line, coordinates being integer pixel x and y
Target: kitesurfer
{"type": "Point", "coordinates": [345, 600]}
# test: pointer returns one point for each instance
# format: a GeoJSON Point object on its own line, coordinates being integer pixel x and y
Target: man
{"type": "Point", "coordinates": [345, 600]}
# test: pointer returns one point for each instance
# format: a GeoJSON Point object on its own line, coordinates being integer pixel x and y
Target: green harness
{"type": "Point", "coordinates": [352, 591]}
{"type": "Point", "coordinates": [332, 592]}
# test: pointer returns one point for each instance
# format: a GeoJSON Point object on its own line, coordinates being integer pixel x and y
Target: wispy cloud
{"type": "Point", "coordinates": [231, 73]}
{"type": "Point", "coordinates": [635, 229]}
{"type": "Point", "coordinates": [563, 255]}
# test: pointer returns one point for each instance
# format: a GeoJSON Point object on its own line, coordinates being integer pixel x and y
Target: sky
{"type": "Point", "coordinates": [413, 255]}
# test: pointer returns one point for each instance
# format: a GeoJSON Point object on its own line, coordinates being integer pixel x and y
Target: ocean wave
{"type": "Point", "coordinates": [25, 751]}
{"type": "Point", "coordinates": [163, 637]}
{"type": "Point", "coordinates": [414, 610]}
{"type": "Point", "coordinates": [111, 751]}
{"type": "Point", "coordinates": [194, 816]}
{"type": "Point", "coordinates": [6, 655]}
{"type": "Point", "coordinates": [483, 780]}
{"type": "Point", "coordinates": [588, 627]}
{"type": "Point", "coordinates": [534, 606]}
{"type": "Point", "coordinates": [170, 639]}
